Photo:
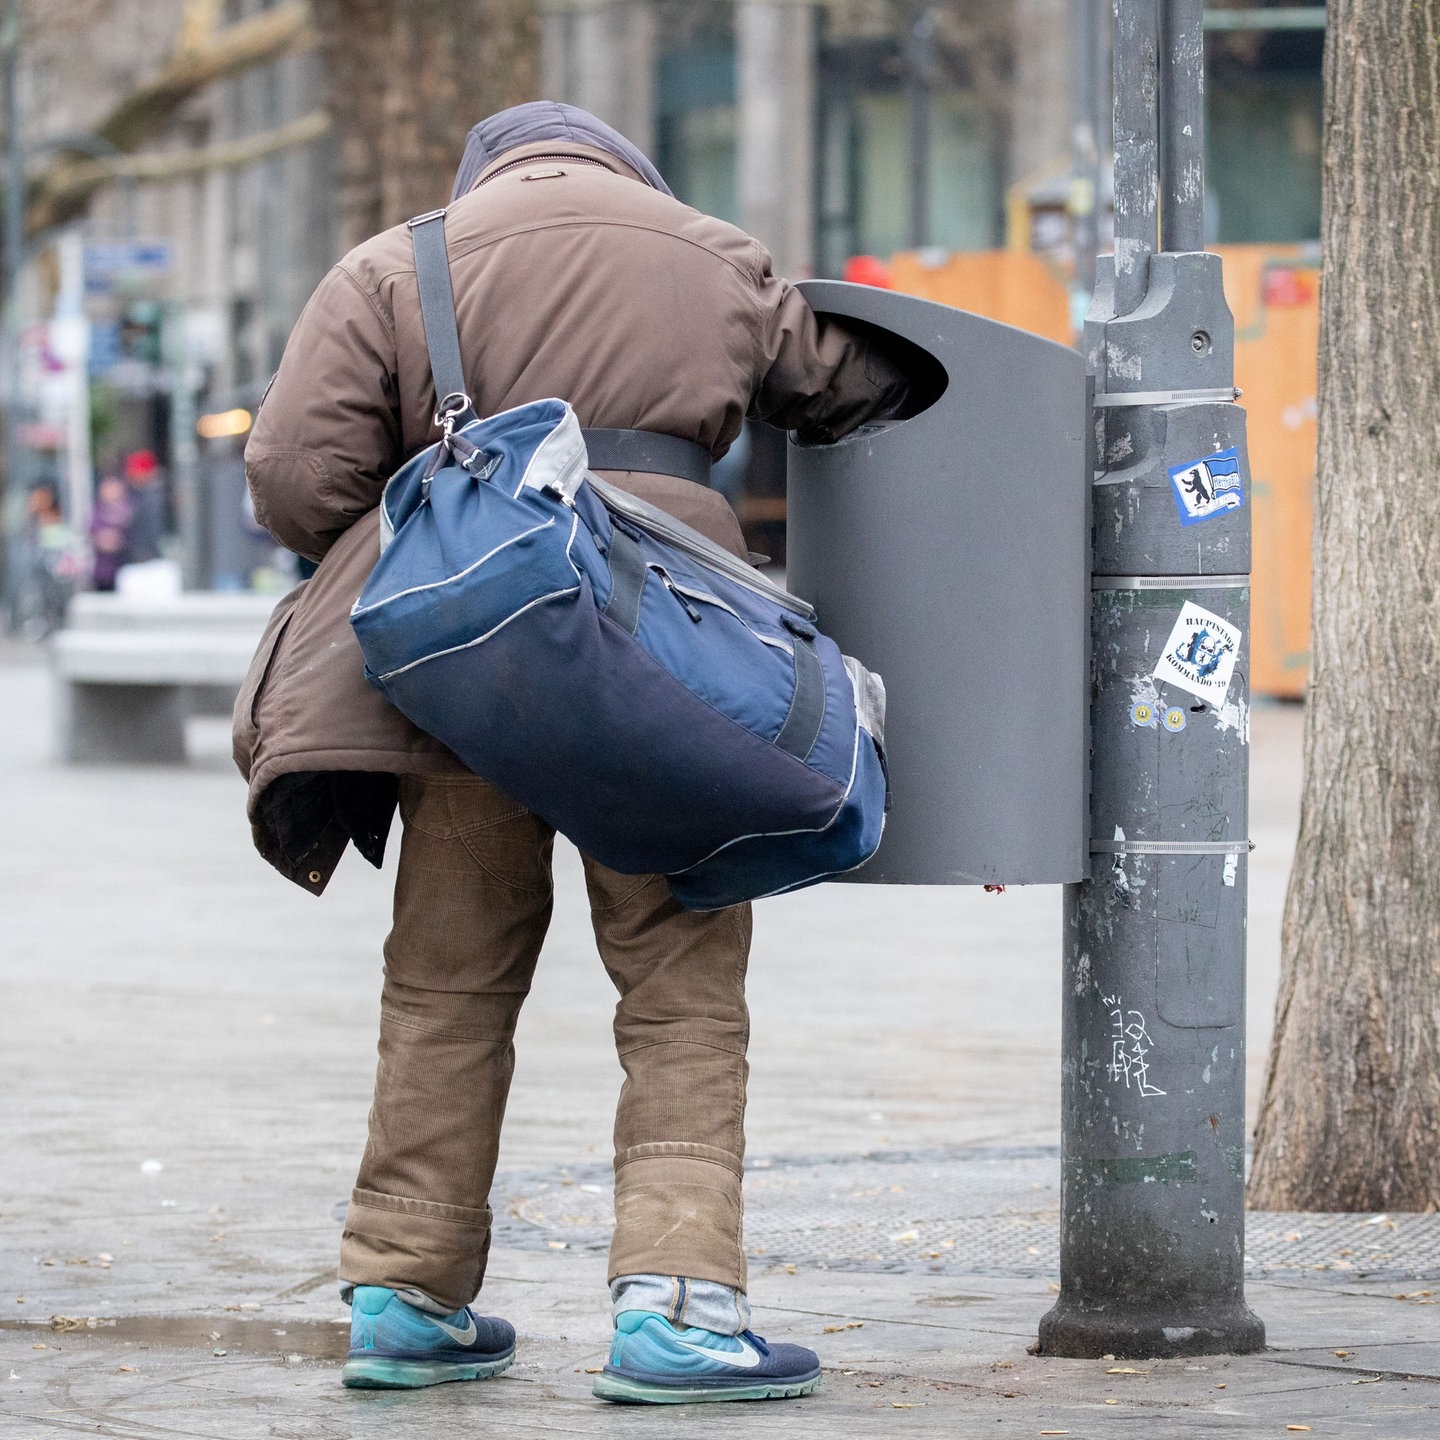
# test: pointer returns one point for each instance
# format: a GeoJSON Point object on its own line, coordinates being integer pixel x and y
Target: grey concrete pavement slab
{"type": "Point", "coordinates": [135, 1384]}
{"type": "Point", "coordinates": [188, 1047]}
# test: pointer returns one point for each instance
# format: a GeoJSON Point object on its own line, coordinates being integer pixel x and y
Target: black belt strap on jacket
{"type": "Point", "coordinates": [644, 450]}
{"type": "Point", "coordinates": [649, 451]}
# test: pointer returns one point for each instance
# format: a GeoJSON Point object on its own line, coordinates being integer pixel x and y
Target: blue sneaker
{"type": "Point", "coordinates": [654, 1363]}
{"type": "Point", "coordinates": [395, 1346]}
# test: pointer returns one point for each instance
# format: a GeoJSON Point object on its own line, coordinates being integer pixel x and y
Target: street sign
{"type": "Point", "coordinates": [110, 264]}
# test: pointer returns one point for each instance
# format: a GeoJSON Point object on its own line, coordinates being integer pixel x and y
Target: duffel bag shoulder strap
{"type": "Point", "coordinates": [453, 406]}
{"type": "Point", "coordinates": [642, 450]}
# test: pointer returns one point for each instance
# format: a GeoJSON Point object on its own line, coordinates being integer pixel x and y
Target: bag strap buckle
{"type": "Point", "coordinates": [450, 409]}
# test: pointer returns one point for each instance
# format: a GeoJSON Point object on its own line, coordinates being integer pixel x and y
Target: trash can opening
{"type": "Point", "coordinates": [928, 377]}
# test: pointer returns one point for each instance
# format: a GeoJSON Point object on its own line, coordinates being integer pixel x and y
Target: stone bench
{"type": "Point", "coordinates": [129, 670]}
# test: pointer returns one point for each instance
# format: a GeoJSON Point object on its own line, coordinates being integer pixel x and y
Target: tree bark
{"type": "Point", "coordinates": [1350, 1118]}
{"type": "Point", "coordinates": [407, 80]}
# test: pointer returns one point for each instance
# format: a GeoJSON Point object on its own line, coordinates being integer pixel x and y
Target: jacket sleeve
{"type": "Point", "coordinates": [818, 378]}
{"type": "Point", "coordinates": [328, 433]}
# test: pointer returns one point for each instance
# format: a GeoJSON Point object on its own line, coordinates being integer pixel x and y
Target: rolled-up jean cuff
{"type": "Point", "coordinates": [404, 1245]}
{"type": "Point", "coordinates": [703, 1304]}
{"type": "Point", "coordinates": [678, 1215]}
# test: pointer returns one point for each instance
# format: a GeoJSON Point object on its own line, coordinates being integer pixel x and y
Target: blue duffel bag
{"type": "Point", "coordinates": [647, 693]}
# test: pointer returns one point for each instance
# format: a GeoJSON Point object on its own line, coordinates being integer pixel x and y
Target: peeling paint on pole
{"type": "Point", "coordinates": [1136, 41]}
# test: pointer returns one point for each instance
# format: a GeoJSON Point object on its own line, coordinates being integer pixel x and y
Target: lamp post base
{"type": "Point", "coordinates": [1092, 1332]}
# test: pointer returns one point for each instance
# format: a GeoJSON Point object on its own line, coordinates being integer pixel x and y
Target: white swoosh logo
{"type": "Point", "coordinates": [745, 1358]}
{"type": "Point", "coordinates": [460, 1337]}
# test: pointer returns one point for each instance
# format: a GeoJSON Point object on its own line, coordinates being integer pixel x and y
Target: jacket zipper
{"type": "Point", "coordinates": [542, 160]}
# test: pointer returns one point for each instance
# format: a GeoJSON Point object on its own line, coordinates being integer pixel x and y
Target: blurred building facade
{"type": "Point", "coordinates": [829, 128]}
{"type": "Point", "coordinates": [964, 144]}
{"type": "Point", "coordinates": [833, 128]}
{"type": "Point", "coordinates": [797, 121]}
{"type": "Point", "coordinates": [183, 280]}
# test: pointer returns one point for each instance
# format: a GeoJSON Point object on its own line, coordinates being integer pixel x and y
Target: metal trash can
{"type": "Point", "coordinates": [950, 552]}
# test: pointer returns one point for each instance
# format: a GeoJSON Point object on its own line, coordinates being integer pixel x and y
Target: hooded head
{"type": "Point", "coordinates": [543, 120]}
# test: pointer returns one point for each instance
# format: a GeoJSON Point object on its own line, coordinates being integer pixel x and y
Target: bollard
{"type": "Point", "coordinates": [1153, 1072]}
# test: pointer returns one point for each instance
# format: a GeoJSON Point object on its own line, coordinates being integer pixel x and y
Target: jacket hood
{"type": "Point", "coordinates": [542, 120]}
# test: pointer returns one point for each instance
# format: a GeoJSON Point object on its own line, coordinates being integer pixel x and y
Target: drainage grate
{"type": "Point", "coordinates": [977, 1211]}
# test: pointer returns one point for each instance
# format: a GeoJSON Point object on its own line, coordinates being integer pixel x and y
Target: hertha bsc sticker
{"type": "Point", "coordinates": [1209, 487]}
{"type": "Point", "coordinates": [1200, 654]}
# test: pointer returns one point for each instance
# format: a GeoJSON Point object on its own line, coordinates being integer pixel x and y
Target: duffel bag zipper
{"type": "Point", "coordinates": [704, 552]}
{"type": "Point", "coordinates": [674, 589]}
{"type": "Point", "coordinates": [681, 592]}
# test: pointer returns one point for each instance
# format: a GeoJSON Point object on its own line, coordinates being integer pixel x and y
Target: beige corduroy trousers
{"type": "Point", "coordinates": [472, 903]}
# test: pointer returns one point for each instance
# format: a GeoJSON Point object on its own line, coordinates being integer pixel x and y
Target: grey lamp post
{"type": "Point", "coordinates": [1153, 1073]}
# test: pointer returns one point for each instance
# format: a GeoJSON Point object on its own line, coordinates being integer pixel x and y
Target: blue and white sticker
{"type": "Point", "coordinates": [1200, 654]}
{"type": "Point", "coordinates": [1209, 487]}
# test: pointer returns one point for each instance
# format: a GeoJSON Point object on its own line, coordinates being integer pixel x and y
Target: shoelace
{"type": "Point", "coordinates": [756, 1341]}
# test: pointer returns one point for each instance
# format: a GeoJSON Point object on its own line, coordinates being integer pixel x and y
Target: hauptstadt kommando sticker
{"type": "Point", "coordinates": [1200, 654]}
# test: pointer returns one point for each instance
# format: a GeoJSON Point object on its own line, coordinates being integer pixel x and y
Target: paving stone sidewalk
{"type": "Point", "coordinates": [188, 1046]}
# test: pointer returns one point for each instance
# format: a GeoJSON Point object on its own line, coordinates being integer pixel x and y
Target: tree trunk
{"type": "Point", "coordinates": [1350, 1118]}
{"type": "Point", "coordinates": [407, 80]}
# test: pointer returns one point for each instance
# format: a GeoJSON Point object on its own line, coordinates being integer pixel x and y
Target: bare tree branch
{"type": "Point", "coordinates": [64, 190]}
{"type": "Point", "coordinates": [80, 180]}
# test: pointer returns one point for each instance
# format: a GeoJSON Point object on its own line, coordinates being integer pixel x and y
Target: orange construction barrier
{"type": "Point", "coordinates": [1274, 294]}
{"type": "Point", "coordinates": [1013, 286]}
{"type": "Point", "coordinates": [1273, 291]}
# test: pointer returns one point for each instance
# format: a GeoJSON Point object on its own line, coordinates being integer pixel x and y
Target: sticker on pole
{"type": "Point", "coordinates": [1209, 487]}
{"type": "Point", "coordinates": [1200, 654]}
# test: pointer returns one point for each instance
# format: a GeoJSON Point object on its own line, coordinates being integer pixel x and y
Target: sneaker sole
{"type": "Point", "coordinates": [382, 1373]}
{"type": "Point", "coordinates": [621, 1391]}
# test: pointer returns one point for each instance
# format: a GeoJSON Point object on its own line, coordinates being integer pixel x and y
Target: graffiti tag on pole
{"type": "Point", "coordinates": [1130, 1047]}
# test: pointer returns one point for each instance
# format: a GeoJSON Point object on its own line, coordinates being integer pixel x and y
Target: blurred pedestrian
{"type": "Point", "coordinates": [110, 521]}
{"type": "Point", "coordinates": [576, 274]}
{"type": "Point", "coordinates": [55, 562]}
{"type": "Point", "coordinates": [147, 499]}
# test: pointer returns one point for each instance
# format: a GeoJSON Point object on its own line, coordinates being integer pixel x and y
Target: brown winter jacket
{"type": "Point", "coordinates": [572, 278]}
